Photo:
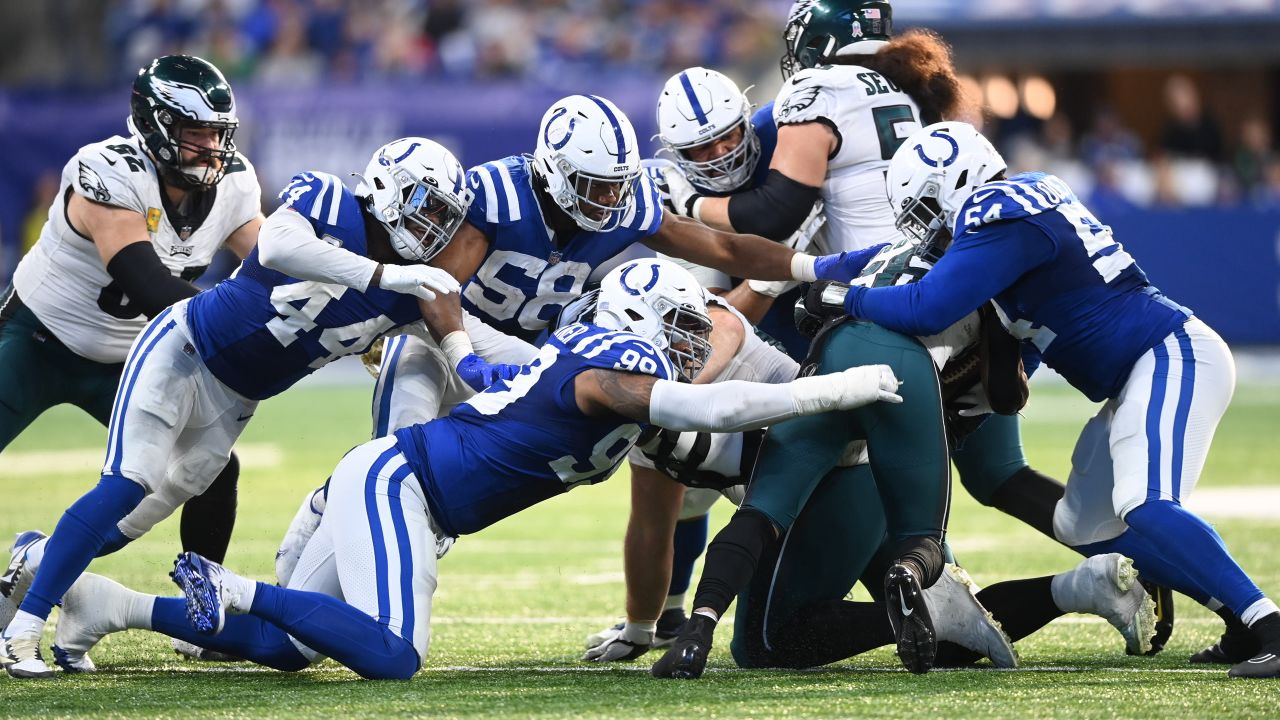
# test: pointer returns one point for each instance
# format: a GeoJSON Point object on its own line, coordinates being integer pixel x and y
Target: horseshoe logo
{"type": "Point", "coordinates": [546, 131]}
{"type": "Point", "coordinates": [955, 150]}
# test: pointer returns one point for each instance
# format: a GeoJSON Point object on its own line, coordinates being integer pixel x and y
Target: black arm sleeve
{"type": "Point", "coordinates": [775, 209]}
{"type": "Point", "coordinates": [145, 280]}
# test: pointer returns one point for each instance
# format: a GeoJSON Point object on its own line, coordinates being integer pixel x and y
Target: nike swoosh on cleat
{"type": "Point", "coordinates": [903, 604]}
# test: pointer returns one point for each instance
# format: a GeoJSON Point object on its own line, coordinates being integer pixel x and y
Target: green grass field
{"type": "Point", "coordinates": [516, 601]}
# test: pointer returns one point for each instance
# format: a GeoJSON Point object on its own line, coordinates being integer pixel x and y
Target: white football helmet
{"type": "Point", "coordinates": [417, 189]}
{"type": "Point", "coordinates": [934, 171]}
{"type": "Point", "coordinates": [699, 107]}
{"type": "Point", "coordinates": [662, 303]}
{"type": "Point", "coordinates": [589, 157]}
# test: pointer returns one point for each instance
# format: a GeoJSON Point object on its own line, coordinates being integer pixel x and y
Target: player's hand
{"type": "Point", "coordinates": [844, 267]}
{"type": "Point", "coordinates": [676, 189]}
{"type": "Point", "coordinates": [803, 237]}
{"type": "Point", "coordinates": [973, 403]}
{"type": "Point", "coordinates": [478, 374]}
{"type": "Point", "coordinates": [619, 645]}
{"type": "Point", "coordinates": [845, 390]}
{"type": "Point", "coordinates": [687, 658]}
{"type": "Point", "coordinates": [422, 281]}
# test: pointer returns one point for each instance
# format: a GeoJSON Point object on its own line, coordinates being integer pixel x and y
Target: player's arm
{"type": "Point", "coordinates": [976, 268]}
{"type": "Point", "coordinates": [123, 243]}
{"type": "Point", "coordinates": [461, 258]}
{"type": "Point", "coordinates": [727, 334]}
{"type": "Point", "coordinates": [730, 406]}
{"type": "Point", "coordinates": [244, 238]}
{"type": "Point", "coordinates": [780, 204]}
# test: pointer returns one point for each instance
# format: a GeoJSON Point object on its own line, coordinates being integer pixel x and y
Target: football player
{"type": "Point", "coordinates": [136, 220]}
{"type": "Point", "coordinates": [565, 419]}
{"type": "Point", "coordinates": [1081, 304]}
{"type": "Point", "coordinates": [333, 270]}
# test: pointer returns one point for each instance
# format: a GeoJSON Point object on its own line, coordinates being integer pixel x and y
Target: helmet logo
{"type": "Point", "coordinates": [647, 286]}
{"type": "Point", "coordinates": [382, 159]}
{"type": "Point", "coordinates": [546, 130]}
{"type": "Point", "coordinates": [946, 162]}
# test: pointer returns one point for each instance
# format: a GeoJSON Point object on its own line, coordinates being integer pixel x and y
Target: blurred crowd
{"type": "Point", "coordinates": [1195, 161]}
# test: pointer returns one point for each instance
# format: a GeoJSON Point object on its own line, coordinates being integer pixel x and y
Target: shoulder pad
{"type": "Point", "coordinates": [615, 350]}
{"type": "Point", "coordinates": [1020, 196]}
{"type": "Point", "coordinates": [646, 213]}
{"type": "Point", "coordinates": [500, 188]}
{"type": "Point", "coordinates": [109, 172]}
{"type": "Point", "coordinates": [314, 194]}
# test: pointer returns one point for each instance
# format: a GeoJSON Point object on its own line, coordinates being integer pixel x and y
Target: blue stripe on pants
{"type": "Point", "coordinates": [122, 398]}
{"type": "Point", "coordinates": [375, 529]}
{"type": "Point", "coordinates": [386, 384]}
{"type": "Point", "coordinates": [1184, 407]}
{"type": "Point", "coordinates": [405, 549]}
{"type": "Point", "coordinates": [1159, 379]}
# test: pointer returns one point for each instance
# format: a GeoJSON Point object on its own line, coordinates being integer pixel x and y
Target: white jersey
{"type": "Point", "coordinates": [63, 280]}
{"type": "Point", "coordinates": [871, 117]}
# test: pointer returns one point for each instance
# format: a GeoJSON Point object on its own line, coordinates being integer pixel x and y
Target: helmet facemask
{"type": "Point", "coordinates": [688, 334]}
{"type": "Point", "coordinates": [423, 219]}
{"type": "Point", "coordinates": [597, 203]}
{"type": "Point", "coordinates": [730, 171]}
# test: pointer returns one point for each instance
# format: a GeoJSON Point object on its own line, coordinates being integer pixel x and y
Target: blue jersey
{"type": "Point", "coordinates": [261, 331]}
{"type": "Point", "coordinates": [526, 277]}
{"type": "Point", "coordinates": [525, 440]}
{"type": "Point", "coordinates": [1059, 280]}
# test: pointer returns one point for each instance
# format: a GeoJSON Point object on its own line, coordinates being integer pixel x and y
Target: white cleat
{"type": "Point", "coordinates": [17, 577]}
{"type": "Point", "coordinates": [93, 607]}
{"type": "Point", "coordinates": [22, 657]}
{"type": "Point", "coordinates": [958, 617]}
{"type": "Point", "coordinates": [1107, 586]}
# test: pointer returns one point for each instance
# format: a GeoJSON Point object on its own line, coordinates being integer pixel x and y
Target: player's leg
{"type": "Point", "coordinates": [995, 471]}
{"type": "Point", "coordinates": [153, 402]}
{"type": "Point", "coordinates": [33, 372]}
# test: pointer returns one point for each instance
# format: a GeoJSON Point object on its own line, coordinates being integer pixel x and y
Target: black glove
{"type": "Point", "coordinates": [687, 658]}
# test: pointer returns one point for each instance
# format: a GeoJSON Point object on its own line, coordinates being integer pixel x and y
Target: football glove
{"type": "Point", "coordinates": [478, 374]}
{"type": "Point", "coordinates": [680, 194]}
{"type": "Point", "coordinates": [845, 390]}
{"type": "Point", "coordinates": [421, 281]}
{"type": "Point", "coordinates": [844, 267]}
{"type": "Point", "coordinates": [687, 658]}
{"type": "Point", "coordinates": [620, 645]}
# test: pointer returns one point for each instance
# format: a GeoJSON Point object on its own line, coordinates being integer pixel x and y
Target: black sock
{"type": "Point", "coordinates": [731, 560]}
{"type": "Point", "coordinates": [1267, 630]}
{"type": "Point", "coordinates": [208, 518]}
{"type": "Point", "coordinates": [829, 631]}
{"type": "Point", "coordinates": [1031, 497]}
{"type": "Point", "coordinates": [1021, 606]}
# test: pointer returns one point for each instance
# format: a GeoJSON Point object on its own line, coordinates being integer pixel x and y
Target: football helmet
{"type": "Point", "coordinates": [589, 159]}
{"type": "Point", "coordinates": [172, 96]}
{"type": "Point", "coordinates": [933, 172]}
{"type": "Point", "coordinates": [699, 107]}
{"type": "Point", "coordinates": [416, 188]}
{"type": "Point", "coordinates": [821, 29]}
{"type": "Point", "coordinates": [662, 303]}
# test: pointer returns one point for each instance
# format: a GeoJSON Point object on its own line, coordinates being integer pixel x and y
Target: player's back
{"type": "Point", "coordinates": [525, 440]}
{"type": "Point", "coordinates": [526, 275]}
{"type": "Point", "coordinates": [63, 279]}
{"type": "Point", "coordinates": [1088, 307]}
{"type": "Point", "coordinates": [261, 331]}
{"type": "Point", "coordinates": [870, 117]}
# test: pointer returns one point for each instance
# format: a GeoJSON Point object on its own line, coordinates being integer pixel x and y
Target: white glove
{"type": "Point", "coordinates": [771, 288]}
{"type": "Point", "coordinates": [617, 644]}
{"type": "Point", "coordinates": [301, 528]}
{"type": "Point", "coordinates": [423, 281]}
{"type": "Point", "coordinates": [678, 191]}
{"type": "Point", "coordinates": [845, 390]}
{"type": "Point", "coordinates": [974, 402]}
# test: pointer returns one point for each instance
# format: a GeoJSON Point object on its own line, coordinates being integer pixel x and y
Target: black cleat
{"type": "Point", "coordinates": [670, 623]}
{"type": "Point", "coordinates": [1235, 646]}
{"type": "Point", "coordinates": [909, 618]}
{"type": "Point", "coordinates": [1265, 664]}
{"type": "Point", "coordinates": [1163, 598]}
{"type": "Point", "coordinates": [687, 658]}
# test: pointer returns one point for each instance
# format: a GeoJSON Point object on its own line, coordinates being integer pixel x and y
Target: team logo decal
{"type": "Point", "coordinates": [382, 159]}
{"type": "Point", "coordinates": [799, 100]}
{"type": "Point", "coordinates": [92, 183]}
{"type": "Point", "coordinates": [568, 133]}
{"type": "Point", "coordinates": [946, 162]}
{"type": "Point", "coordinates": [180, 250]}
{"type": "Point", "coordinates": [647, 286]}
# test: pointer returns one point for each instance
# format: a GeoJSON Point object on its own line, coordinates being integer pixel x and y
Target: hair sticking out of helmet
{"type": "Point", "coordinates": [184, 112]}
{"type": "Point", "coordinates": [662, 303]}
{"type": "Point", "coordinates": [416, 188]}
{"type": "Point", "coordinates": [589, 159]}
{"type": "Point", "coordinates": [818, 30]}
{"type": "Point", "coordinates": [704, 124]}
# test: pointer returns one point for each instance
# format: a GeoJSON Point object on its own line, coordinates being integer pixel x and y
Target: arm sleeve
{"type": "Point", "coordinates": [977, 267]}
{"type": "Point", "coordinates": [288, 244]}
{"type": "Point", "coordinates": [730, 406]}
{"type": "Point", "coordinates": [145, 280]}
{"type": "Point", "coordinates": [775, 209]}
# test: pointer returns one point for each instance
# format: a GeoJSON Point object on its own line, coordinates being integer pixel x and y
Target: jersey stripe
{"type": "Point", "coordinates": [490, 204]}
{"type": "Point", "coordinates": [317, 207]}
{"type": "Point", "coordinates": [513, 201]}
{"type": "Point", "coordinates": [336, 205]}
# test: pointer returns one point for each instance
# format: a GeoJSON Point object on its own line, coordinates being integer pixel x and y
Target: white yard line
{"type": "Point", "coordinates": [14, 464]}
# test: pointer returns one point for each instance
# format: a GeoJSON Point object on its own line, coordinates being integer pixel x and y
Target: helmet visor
{"type": "Point", "coordinates": [428, 214]}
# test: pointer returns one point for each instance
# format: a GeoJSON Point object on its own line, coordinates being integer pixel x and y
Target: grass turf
{"type": "Point", "coordinates": [516, 601]}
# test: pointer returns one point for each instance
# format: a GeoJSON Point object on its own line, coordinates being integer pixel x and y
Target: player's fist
{"type": "Point", "coordinates": [478, 374]}
{"type": "Point", "coordinates": [422, 281]}
{"type": "Point", "coordinates": [845, 390]}
{"type": "Point", "coordinates": [619, 645]}
{"type": "Point", "coordinates": [676, 189]}
{"type": "Point", "coordinates": [845, 266]}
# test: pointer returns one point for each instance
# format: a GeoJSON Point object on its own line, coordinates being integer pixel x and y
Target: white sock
{"type": "Point", "coordinates": [24, 623]}
{"type": "Point", "coordinates": [1257, 611]}
{"type": "Point", "coordinates": [1214, 605]}
{"type": "Point", "coordinates": [674, 602]}
{"type": "Point", "coordinates": [138, 610]}
{"type": "Point", "coordinates": [243, 590]}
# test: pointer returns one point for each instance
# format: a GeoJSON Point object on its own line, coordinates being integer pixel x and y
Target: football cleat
{"type": "Point", "coordinates": [686, 659]}
{"type": "Point", "coordinates": [1107, 586]}
{"type": "Point", "coordinates": [22, 568]}
{"type": "Point", "coordinates": [909, 617]}
{"type": "Point", "coordinates": [1163, 598]}
{"type": "Point", "coordinates": [195, 652]}
{"type": "Point", "coordinates": [1236, 645]}
{"type": "Point", "coordinates": [211, 591]}
{"type": "Point", "coordinates": [1266, 664]}
{"type": "Point", "coordinates": [959, 618]}
{"type": "Point", "coordinates": [93, 607]}
{"type": "Point", "coordinates": [22, 658]}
